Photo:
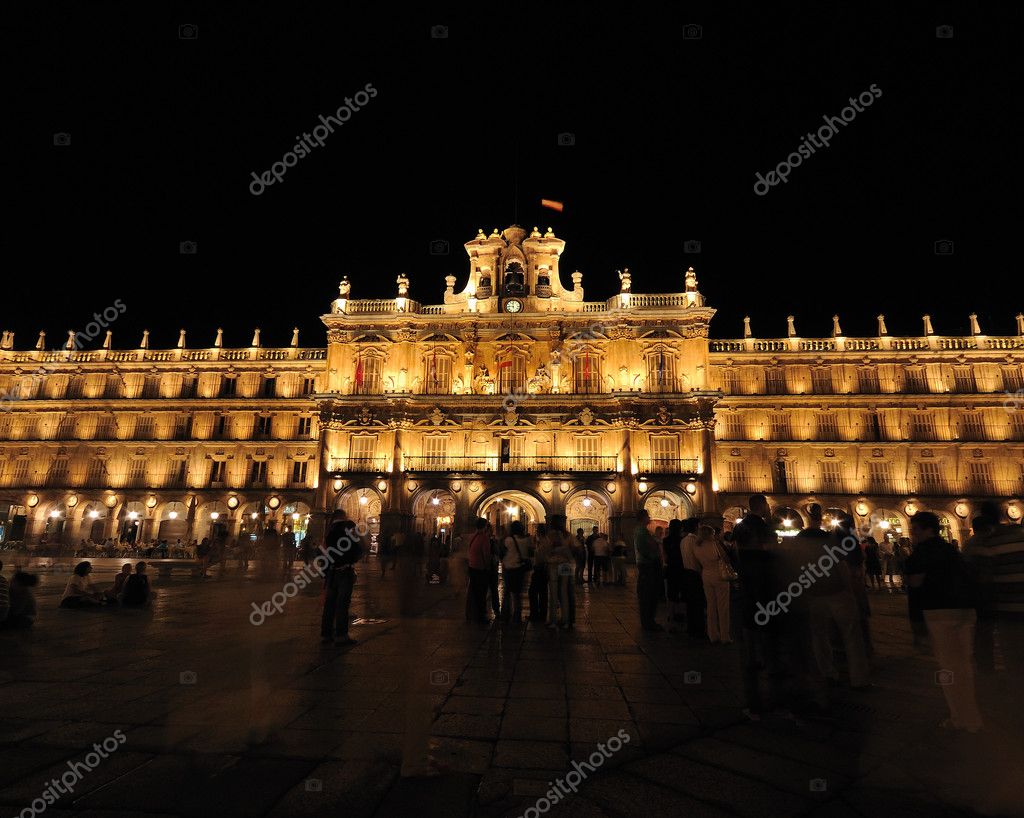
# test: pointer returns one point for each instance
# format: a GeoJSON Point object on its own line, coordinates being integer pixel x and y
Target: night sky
{"type": "Point", "coordinates": [669, 132]}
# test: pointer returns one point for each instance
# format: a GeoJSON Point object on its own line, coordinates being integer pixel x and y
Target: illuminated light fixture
{"type": "Point", "coordinates": [884, 525]}
{"type": "Point", "coordinates": [739, 519]}
{"type": "Point", "coordinates": [338, 483]}
{"type": "Point", "coordinates": [382, 485]}
{"type": "Point", "coordinates": [788, 522]}
{"type": "Point", "coordinates": [434, 501]}
{"type": "Point", "coordinates": [691, 488]}
{"type": "Point", "coordinates": [171, 515]}
{"type": "Point", "coordinates": [94, 514]}
{"type": "Point", "coordinates": [111, 501]}
{"type": "Point", "coordinates": [295, 516]}
{"type": "Point", "coordinates": [586, 502]}
{"type": "Point", "coordinates": [232, 501]}
{"type": "Point", "coordinates": [274, 501]}
{"type": "Point", "coordinates": [254, 515]}
{"type": "Point", "coordinates": [642, 485]}
{"type": "Point", "coordinates": [861, 509]}
{"type": "Point", "coordinates": [214, 515]}
{"type": "Point", "coordinates": [835, 523]}
{"type": "Point", "coordinates": [132, 515]}
{"type": "Point", "coordinates": [363, 499]}
{"type": "Point", "coordinates": [1013, 512]}
{"type": "Point", "coordinates": [664, 502]}
{"type": "Point", "coordinates": [151, 501]}
{"type": "Point", "coordinates": [55, 513]}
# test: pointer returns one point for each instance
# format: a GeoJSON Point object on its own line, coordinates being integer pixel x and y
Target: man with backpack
{"type": "Point", "coordinates": [938, 573]}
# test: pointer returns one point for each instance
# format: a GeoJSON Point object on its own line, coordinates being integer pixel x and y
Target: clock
{"type": "Point", "coordinates": [513, 305]}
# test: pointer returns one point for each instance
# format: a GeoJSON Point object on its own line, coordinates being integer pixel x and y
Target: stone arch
{"type": "Point", "coordinates": [523, 504]}
{"type": "Point", "coordinates": [679, 505]}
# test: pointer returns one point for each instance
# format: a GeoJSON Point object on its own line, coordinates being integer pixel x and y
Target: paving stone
{"type": "Point", "coordinates": [623, 794]}
{"type": "Point", "coordinates": [466, 726]}
{"type": "Point", "coordinates": [534, 727]}
{"type": "Point", "coordinates": [350, 788]}
{"type": "Point", "coordinates": [81, 780]}
{"type": "Point", "coordinates": [531, 754]}
{"type": "Point", "coordinates": [474, 705]}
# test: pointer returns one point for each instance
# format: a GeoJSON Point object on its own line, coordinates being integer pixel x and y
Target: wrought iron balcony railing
{"type": "Point", "coordinates": [493, 463]}
{"type": "Point", "coordinates": [668, 465]}
{"type": "Point", "coordinates": [374, 463]}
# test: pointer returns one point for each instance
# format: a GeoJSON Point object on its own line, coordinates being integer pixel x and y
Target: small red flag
{"type": "Point", "coordinates": [586, 367]}
{"type": "Point", "coordinates": [503, 364]}
{"type": "Point", "coordinates": [359, 372]}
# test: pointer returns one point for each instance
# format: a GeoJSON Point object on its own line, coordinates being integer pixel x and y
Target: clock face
{"type": "Point", "coordinates": [513, 305]}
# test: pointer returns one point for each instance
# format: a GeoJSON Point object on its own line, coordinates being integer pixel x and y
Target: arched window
{"type": "Point", "coordinates": [586, 372]}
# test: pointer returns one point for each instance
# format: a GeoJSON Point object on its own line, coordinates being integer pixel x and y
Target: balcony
{"type": "Point", "coordinates": [668, 465]}
{"type": "Point", "coordinates": [361, 465]}
{"type": "Point", "coordinates": [492, 463]}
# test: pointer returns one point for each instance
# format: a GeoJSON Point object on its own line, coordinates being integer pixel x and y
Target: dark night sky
{"type": "Point", "coordinates": [669, 135]}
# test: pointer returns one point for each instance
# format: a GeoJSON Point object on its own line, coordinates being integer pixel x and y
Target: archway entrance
{"type": "Point", "coordinates": [434, 510]}
{"type": "Point", "coordinates": [586, 509]}
{"type": "Point", "coordinates": [363, 504]}
{"type": "Point", "coordinates": [173, 523]}
{"type": "Point", "coordinates": [94, 522]}
{"type": "Point", "coordinates": [504, 507]}
{"type": "Point", "coordinates": [665, 504]}
{"type": "Point", "coordinates": [886, 525]}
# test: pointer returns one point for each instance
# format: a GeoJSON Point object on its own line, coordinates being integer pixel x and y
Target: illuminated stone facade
{"type": "Point", "coordinates": [514, 398]}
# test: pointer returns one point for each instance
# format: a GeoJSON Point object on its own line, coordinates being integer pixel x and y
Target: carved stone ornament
{"type": "Point", "coordinates": [586, 416]}
{"type": "Point", "coordinates": [663, 416]}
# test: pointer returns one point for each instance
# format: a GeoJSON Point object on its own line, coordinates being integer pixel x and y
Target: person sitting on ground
{"type": "Point", "coordinates": [80, 592]}
{"type": "Point", "coordinates": [113, 594]}
{"type": "Point", "coordinates": [22, 612]}
{"type": "Point", "coordinates": [136, 589]}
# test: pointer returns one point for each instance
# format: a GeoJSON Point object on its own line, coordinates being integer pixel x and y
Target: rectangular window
{"type": "Point", "coordinates": [269, 387]}
{"type": "Point", "coordinates": [177, 473]}
{"type": "Point", "coordinates": [737, 475]}
{"type": "Point", "coordinates": [730, 426]}
{"type": "Point", "coordinates": [922, 426]}
{"type": "Point", "coordinates": [832, 477]}
{"type": "Point", "coordinates": [1017, 425]}
{"type": "Point", "coordinates": [57, 475]}
{"type": "Point", "coordinates": [66, 429]}
{"type": "Point", "coordinates": [368, 376]}
{"type": "Point", "coordinates": [75, 385]}
{"type": "Point", "coordinates": [20, 475]}
{"type": "Point", "coordinates": [587, 373]}
{"type": "Point", "coordinates": [97, 475]}
{"type": "Point", "coordinates": [730, 381]}
{"type": "Point", "coordinates": [1012, 380]}
{"type": "Point", "coordinates": [437, 374]}
{"type": "Point", "coordinates": [137, 473]}
{"type": "Point", "coordinates": [775, 380]}
{"type": "Point", "coordinates": [183, 427]}
{"type": "Point", "coordinates": [151, 387]}
{"type": "Point", "coordinates": [517, 453]}
{"type": "Point", "coordinates": [780, 428]}
{"type": "Point", "coordinates": [868, 381]}
{"type": "Point", "coordinates": [106, 428]}
{"type": "Point", "coordinates": [305, 427]}
{"type": "Point", "coordinates": [963, 380]}
{"type": "Point", "coordinates": [821, 381]}
{"type": "Point", "coordinates": [916, 380]}
{"type": "Point", "coordinates": [929, 478]}
{"type": "Point", "coordinates": [587, 449]}
{"type": "Point", "coordinates": [972, 426]}
{"type": "Point", "coordinates": [220, 429]}
{"type": "Point", "coordinates": [511, 373]}
{"type": "Point", "coordinates": [144, 427]}
{"type": "Point", "coordinates": [188, 387]}
{"type": "Point", "coordinates": [979, 478]}
{"type": "Point", "coordinates": [661, 372]}
{"type": "Point", "coordinates": [217, 471]}
{"type": "Point", "coordinates": [258, 472]}
{"type": "Point", "coordinates": [880, 477]}
{"type": "Point", "coordinates": [263, 426]}
{"type": "Point", "coordinates": [664, 453]}
{"type": "Point", "coordinates": [361, 449]}
{"type": "Point", "coordinates": [299, 468]}
{"type": "Point", "coordinates": [228, 387]}
{"type": "Point", "coordinates": [828, 426]}
{"type": "Point", "coordinates": [435, 452]}
{"type": "Point", "coordinates": [114, 387]}
{"type": "Point", "coordinates": [308, 386]}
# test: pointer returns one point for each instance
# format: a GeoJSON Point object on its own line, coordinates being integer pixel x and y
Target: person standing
{"type": "Point", "coordinates": [5, 596]}
{"type": "Point", "coordinates": [715, 568]}
{"type": "Point", "coordinates": [671, 548]}
{"type": "Point", "coordinates": [579, 551]}
{"type": "Point", "coordinates": [619, 552]}
{"type": "Point", "coordinates": [343, 549]}
{"type": "Point", "coordinates": [830, 600]}
{"type": "Point", "coordinates": [514, 565]}
{"type": "Point", "coordinates": [602, 559]}
{"type": "Point", "coordinates": [648, 567]}
{"type": "Point", "coordinates": [287, 553]}
{"type": "Point", "coordinates": [873, 563]}
{"type": "Point", "coordinates": [693, 585]}
{"type": "Point", "coordinates": [590, 554]}
{"type": "Point", "coordinates": [479, 571]}
{"type": "Point", "coordinates": [561, 583]}
{"type": "Point", "coordinates": [539, 577]}
{"type": "Point", "coordinates": [938, 571]}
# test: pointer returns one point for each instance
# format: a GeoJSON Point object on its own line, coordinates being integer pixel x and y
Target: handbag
{"type": "Point", "coordinates": [725, 569]}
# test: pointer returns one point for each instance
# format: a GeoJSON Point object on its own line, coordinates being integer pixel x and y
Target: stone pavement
{"type": "Point", "coordinates": [224, 718]}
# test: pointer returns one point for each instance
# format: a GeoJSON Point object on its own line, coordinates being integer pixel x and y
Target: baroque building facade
{"type": "Point", "coordinates": [514, 398]}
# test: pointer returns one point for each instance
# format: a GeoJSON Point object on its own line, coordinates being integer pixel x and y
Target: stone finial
{"type": "Point", "coordinates": [836, 329]}
{"type": "Point", "coordinates": [71, 340]}
{"type": "Point", "coordinates": [975, 326]}
{"type": "Point", "coordinates": [295, 337]}
{"type": "Point", "coordinates": [8, 340]}
{"type": "Point", "coordinates": [41, 342]}
{"type": "Point", "coordinates": [255, 337]}
{"type": "Point", "coordinates": [746, 327]}
{"type": "Point", "coordinates": [181, 339]}
{"type": "Point", "coordinates": [107, 339]}
{"type": "Point", "coordinates": [535, 233]}
{"type": "Point", "coordinates": [144, 344]}
{"type": "Point", "coordinates": [790, 326]}
{"type": "Point", "coordinates": [881, 326]}
{"type": "Point", "coordinates": [928, 330]}
{"type": "Point", "coordinates": [219, 340]}
{"type": "Point", "coordinates": [577, 280]}
{"type": "Point", "coordinates": [550, 234]}
{"type": "Point", "coordinates": [1020, 325]}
